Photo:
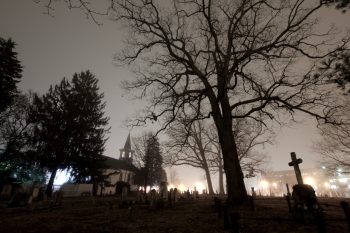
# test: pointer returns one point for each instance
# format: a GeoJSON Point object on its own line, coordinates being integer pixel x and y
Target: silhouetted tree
{"type": "Point", "coordinates": [70, 129]}
{"type": "Point", "coordinates": [16, 162]}
{"type": "Point", "coordinates": [10, 72]}
{"type": "Point", "coordinates": [52, 127]}
{"type": "Point", "coordinates": [240, 57]}
{"type": "Point", "coordinates": [190, 147]}
{"type": "Point", "coordinates": [89, 127]}
{"type": "Point", "coordinates": [153, 162]}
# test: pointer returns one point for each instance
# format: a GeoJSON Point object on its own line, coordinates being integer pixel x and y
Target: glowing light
{"type": "Point", "coordinates": [264, 184]}
{"type": "Point", "coordinates": [199, 186]}
{"type": "Point", "coordinates": [171, 186]}
{"type": "Point", "coordinates": [310, 181]}
{"type": "Point", "coordinates": [343, 180]}
{"type": "Point", "coordinates": [326, 185]}
{"type": "Point", "coordinates": [181, 187]}
{"type": "Point", "coordinates": [333, 186]}
{"type": "Point", "coordinates": [62, 177]}
{"type": "Point", "coordinates": [323, 167]}
{"type": "Point", "coordinates": [274, 185]}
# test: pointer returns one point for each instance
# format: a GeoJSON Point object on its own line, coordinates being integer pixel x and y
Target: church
{"type": "Point", "coordinates": [120, 169]}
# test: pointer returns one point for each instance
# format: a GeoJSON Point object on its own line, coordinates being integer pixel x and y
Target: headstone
{"type": "Point", "coordinates": [305, 195]}
{"type": "Point", "coordinates": [171, 197]}
{"type": "Point", "coordinates": [34, 195]}
{"type": "Point", "coordinates": [124, 194]}
{"type": "Point", "coordinates": [6, 192]}
{"type": "Point", "coordinates": [176, 196]}
{"type": "Point", "coordinates": [153, 197]}
{"type": "Point", "coordinates": [163, 192]}
{"type": "Point", "coordinates": [295, 163]}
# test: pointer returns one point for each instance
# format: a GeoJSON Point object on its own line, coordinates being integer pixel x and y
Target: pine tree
{"type": "Point", "coordinates": [89, 128]}
{"type": "Point", "coordinates": [153, 162]}
{"type": "Point", "coordinates": [70, 129]}
{"type": "Point", "coordinates": [10, 72]}
{"type": "Point", "coordinates": [52, 136]}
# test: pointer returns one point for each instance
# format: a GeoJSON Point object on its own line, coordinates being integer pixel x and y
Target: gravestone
{"type": "Point", "coordinates": [34, 195]}
{"type": "Point", "coordinates": [176, 196]}
{"type": "Point", "coordinates": [6, 191]}
{"type": "Point", "coordinates": [124, 197]}
{"type": "Point", "coordinates": [295, 163]}
{"type": "Point", "coordinates": [171, 197]}
{"type": "Point", "coordinates": [153, 197]}
{"type": "Point", "coordinates": [163, 194]}
{"type": "Point", "coordinates": [305, 196]}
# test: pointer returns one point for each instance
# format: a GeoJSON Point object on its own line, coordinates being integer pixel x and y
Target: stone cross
{"type": "Point", "coordinates": [295, 163]}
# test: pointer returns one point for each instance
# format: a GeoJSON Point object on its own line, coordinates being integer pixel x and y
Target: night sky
{"type": "Point", "coordinates": [51, 48]}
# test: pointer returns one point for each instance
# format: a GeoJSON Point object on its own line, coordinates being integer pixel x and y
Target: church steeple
{"type": "Point", "coordinates": [127, 153]}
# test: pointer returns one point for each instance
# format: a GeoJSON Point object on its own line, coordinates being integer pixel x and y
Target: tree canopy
{"type": "Point", "coordinates": [10, 72]}
{"type": "Point", "coordinates": [69, 128]}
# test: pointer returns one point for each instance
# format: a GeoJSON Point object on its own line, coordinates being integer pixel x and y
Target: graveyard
{"type": "Point", "coordinates": [104, 214]}
{"type": "Point", "coordinates": [235, 115]}
{"type": "Point", "coordinates": [170, 210]}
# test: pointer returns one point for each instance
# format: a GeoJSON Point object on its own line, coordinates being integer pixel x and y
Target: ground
{"type": "Point", "coordinates": [101, 214]}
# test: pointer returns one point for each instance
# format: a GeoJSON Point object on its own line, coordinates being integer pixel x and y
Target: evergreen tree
{"type": "Point", "coordinates": [153, 162]}
{"type": "Point", "coordinates": [52, 136]}
{"type": "Point", "coordinates": [87, 109]}
{"type": "Point", "coordinates": [10, 72]}
{"type": "Point", "coordinates": [70, 129]}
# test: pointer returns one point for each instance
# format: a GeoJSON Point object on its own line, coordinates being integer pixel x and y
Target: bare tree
{"type": "Point", "coordinates": [190, 146]}
{"type": "Point", "coordinates": [244, 58]}
{"type": "Point", "coordinates": [241, 58]}
{"type": "Point", "coordinates": [334, 145]}
{"type": "Point", "coordinates": [140, 147]}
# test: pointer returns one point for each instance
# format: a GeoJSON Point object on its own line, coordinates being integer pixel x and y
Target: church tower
{"type": "Point", "coordinates": [127, 153]}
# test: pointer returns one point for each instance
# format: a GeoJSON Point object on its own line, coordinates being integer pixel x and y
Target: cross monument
{"type": "Point", "coordinates": [295, 163]}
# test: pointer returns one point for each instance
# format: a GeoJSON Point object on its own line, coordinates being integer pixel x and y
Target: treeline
{"type": "Point", "coordinates": [63, 129]}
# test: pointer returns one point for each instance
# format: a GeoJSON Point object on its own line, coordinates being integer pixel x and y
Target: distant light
{"type": "Point", "coordinates": [326, 185]}
{"type": "Point", "coordinates": [274, 185]}
{"type": "Point", "coordinates": [343, 180]}
{"type": "Point", "coordinates": [339, 170]}
{"type": "Point", "coordinates": [332, 181]}
{"type": "Point", "coordinates": [333, 186]}
{"type": "Point", "coordinates": [181, 187]}
{"type": "Point", "coordinates": [199, 186]}
{"type": "Point", "coordinates": [310, 181]}
{"type": "Point", "coordinates": [62, 176]}
{"type": "Point", "coordinates": [264, 184]}
{"type": "Point", "coordinates": [171, 186]}
{"type": "Point", "coordinates": [323, 167]}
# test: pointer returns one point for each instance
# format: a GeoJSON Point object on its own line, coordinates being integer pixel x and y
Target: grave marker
{"type": "Point", "coordinates": [295, 163]}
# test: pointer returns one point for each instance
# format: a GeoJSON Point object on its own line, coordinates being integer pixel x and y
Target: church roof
{"type": "Point", "coordinates": [118, 164]}
{"type": "Point", "coordinates": [127, 145]}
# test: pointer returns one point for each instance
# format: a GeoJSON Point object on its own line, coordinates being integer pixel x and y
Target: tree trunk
{"type": "Point", "coordinates": [221, 177]}
{"type": "Point", "coordinates": [210, 184]}
{"type": "Point", "coordinates": [236, 190]}
{"type": "Point", "coordinates": [50, 184]}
